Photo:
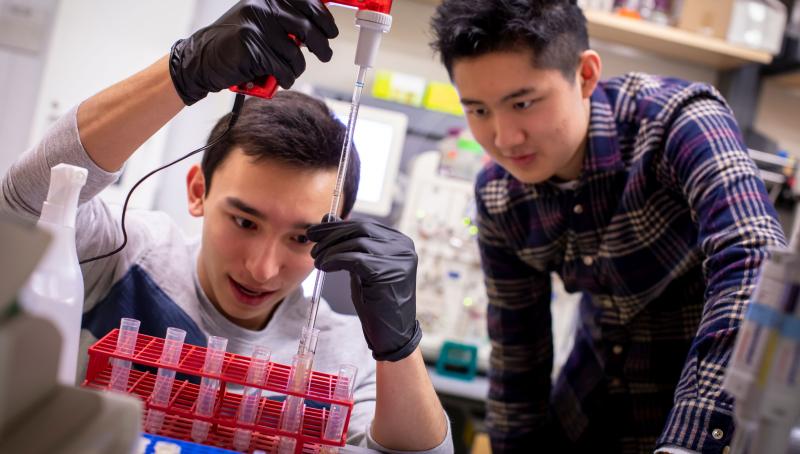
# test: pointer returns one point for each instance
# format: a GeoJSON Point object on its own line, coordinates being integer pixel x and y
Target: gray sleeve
{"type": "Point", "coordinates": [445, 447]}
{"type": "Point", "coordinates": [23, 190]}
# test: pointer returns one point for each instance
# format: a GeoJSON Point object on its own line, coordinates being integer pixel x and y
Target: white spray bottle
{"type": "Point", "coordinates": [55, 290]}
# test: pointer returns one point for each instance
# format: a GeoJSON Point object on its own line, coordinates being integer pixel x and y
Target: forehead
{"type": "Point", "coordinates": [279, 190]}
{"type": "Point", "coordinates": [493, 75]}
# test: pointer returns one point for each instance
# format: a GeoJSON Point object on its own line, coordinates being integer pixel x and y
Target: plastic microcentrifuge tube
{"type": "Point", "coordinates": [251, 397]}
{"type": "Point", "coordinates": [126, 343]}
{"type": "Point", "coordinates": [207, 398]}
{"type": "Point", "coordinates": [345, 385]}
{"type": "Point", "coordinates": [170, 355]}
{"type": "Point", "coordinates": [292, 413]}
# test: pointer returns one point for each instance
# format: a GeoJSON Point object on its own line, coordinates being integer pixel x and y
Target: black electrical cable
{"type": "Point", "coordinates": [235, 111]}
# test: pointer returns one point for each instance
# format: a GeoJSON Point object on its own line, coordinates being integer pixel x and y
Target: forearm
{"type": "Point", "coordinates": [113, 123]}
{"type": "Point", "coordinates": [408, 415]}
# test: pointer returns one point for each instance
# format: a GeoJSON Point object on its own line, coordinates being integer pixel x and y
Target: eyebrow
{"type": "Point", "coordinates": [247, 209]}
{"type": "Point", "coordinates": [244, 208]}
{"type": "Point", "coordinates": [515, 94]}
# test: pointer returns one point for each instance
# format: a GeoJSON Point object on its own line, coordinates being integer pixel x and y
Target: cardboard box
{"type": "Point", "coordinates": [706, 17]}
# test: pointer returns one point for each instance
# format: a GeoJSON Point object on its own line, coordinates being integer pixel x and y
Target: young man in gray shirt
{"type": "Point", "coordinates": [262, 191]}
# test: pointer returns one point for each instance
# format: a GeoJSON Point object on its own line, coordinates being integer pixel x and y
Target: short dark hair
{"type": "Point", "coordinates": [554, 30]}
{"type": "Point", "coordinates": [291, 128]}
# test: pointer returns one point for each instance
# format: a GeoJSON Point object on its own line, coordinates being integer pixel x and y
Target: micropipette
{"type": "Point", "coordinates": [372, 25]}
{"type": "Point", "coordinates": [207, 398]}
{"type": "Point", "coordinates": [126, 343]}
{"type": "Point", "coordinates": [338, 413]}
{"type": "Point", "coordinates": [170, 355]}
{"type": "Point", "coordinates": [251, 397]}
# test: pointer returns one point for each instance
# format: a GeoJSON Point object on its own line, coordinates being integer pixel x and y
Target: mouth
{"type": "Point", "coordinates": [247, 295]}
{"type": "Point", "coordinates": [522, 159]}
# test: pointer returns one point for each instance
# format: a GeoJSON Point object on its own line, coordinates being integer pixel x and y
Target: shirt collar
{"type": "Point", "coordinates": [602, 148]}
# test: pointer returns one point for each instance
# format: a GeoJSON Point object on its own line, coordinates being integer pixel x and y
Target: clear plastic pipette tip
{"type": "Point", "coordinates": [170, 356]}
{"type": "Point", "coordinates": [207, 398]}
{"type": "Point", "coordinates": [126, 344]}
{"type": "Point", "coordinates": [251, 397]}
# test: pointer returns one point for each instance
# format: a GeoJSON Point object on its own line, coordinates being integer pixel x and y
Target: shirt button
{"type": "Point", "coordinates": [717, 434]}
{"type": "Point", "coordinates": [588, 260]}
{"type": "Point", "coordinates": [617, 349]}
{"type": "Point", "coordinates": [577, 209]}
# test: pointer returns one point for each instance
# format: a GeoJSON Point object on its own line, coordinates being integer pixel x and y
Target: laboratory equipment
{"type": "Point", "coordinates": [173, 344]}
{"type": "Point", "coordinates": [368, 10]}
{"type": "Point", "coordinates": [251, 396]}
{"type": "Point", "coordinates": [225, 418]}
{"type": "Point", "coordinates": [439, 215]}
{"type": "Point", "coordinates": [126, 343]}
{"type": "Point", "coordinates": [31, 395]}
{"type": "Point", "coordinates": [760, 376]}
{"type": "Point", "coordinates": [372, 25]}
{"type": "Point", "coordinates": [55, 289]}
{"type": "Point", "coordinates": [207, 399]}
{"type": "Point", "coordinates": [337, 419]}
{"type": "Point", "coordinates": [293, 406]}
{"type": "Point", "coordinates": [380, 135]}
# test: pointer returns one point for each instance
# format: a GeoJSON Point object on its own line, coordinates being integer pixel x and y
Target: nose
{"type": "Point", "coordinates": [264, 262]}
{"type": "Point", "coordinates": [507, 134]}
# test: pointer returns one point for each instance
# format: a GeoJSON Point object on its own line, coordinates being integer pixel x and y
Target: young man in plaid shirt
{"type": "Point", "coordinates": [639, 192]}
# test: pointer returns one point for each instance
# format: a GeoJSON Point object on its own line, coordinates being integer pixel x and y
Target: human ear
{"type": "Point", "coordinates": [588, 73]}
{"type": "Point", "coordinates": [196, 190]}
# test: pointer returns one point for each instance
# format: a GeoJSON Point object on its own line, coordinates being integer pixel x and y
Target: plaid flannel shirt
{"type": "Point", "coordinates": [664, 235]}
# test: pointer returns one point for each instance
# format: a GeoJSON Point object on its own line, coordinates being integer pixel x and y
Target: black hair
{"type": "Point", "coordinates": [553, 30]}
{"type": "Point", "coordinates": [291, 128]}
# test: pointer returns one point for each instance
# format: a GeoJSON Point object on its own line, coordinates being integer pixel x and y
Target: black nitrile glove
{"type": "Point", "coordinates": [249, 42]}
{"type": "Point", "coordinates": [383, 271]}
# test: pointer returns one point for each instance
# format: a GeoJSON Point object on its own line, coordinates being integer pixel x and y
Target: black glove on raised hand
{"type": "Point", "coordinates": [383, 270]}
{"type": "Point", "coordinates": [249, 42]}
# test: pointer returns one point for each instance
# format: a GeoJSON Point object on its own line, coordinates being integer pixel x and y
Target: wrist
{"type": "Point", "coordinates": [404, 350]}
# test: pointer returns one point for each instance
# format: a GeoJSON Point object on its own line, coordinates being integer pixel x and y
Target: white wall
{"type": "Point", "coordinates": [20, 73]}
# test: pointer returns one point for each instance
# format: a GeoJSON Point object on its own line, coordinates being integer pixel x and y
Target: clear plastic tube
{"type": "Point", "coordinates": [207, 398]}
{"type": "Point", "coordinates": [341, 175]}
{"type": "Point", "coordinates": [170, 355]}
{"type": "Point", "coordinates": [126, 343]}
{"type": "Point", "coordinates": [251, 397]}
{"type": "Point", "coordinates": [338, 413]}
{"type": "Point", "coordinates": [292, 414]}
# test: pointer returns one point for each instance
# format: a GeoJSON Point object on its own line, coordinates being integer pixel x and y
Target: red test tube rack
{"type": "Point", "coordinates": [179, 412]}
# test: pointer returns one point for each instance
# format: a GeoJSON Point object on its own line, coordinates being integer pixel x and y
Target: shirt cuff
{"type": "Point", "coordinates": [698, 425]}
{"type": "Point", "coordinates": [445, 447]}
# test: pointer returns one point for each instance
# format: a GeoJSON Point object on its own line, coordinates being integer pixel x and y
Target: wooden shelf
{"type": "Point", "coordinates": [671, 42]}
{"type": "Point", "coordinates": [667, 41]}
{"type": "Point", "coordinates": [789, 79]}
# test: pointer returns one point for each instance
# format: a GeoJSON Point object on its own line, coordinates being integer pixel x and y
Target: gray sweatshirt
{"type": "Point", "coordinates": [154, 279]}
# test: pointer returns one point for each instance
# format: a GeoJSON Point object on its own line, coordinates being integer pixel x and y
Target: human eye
{"type": "Point", "coordinates": [243, 223]}
{"type": "Point", "coordinates": [480, 112]}
{"type": "Point", "coordinates": [301, 239]}
{"type": "Point", "coordinates": [522, 105]}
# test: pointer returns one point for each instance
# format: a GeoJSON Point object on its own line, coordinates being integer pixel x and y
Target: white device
{"type": "Point", "coordinates": [379, 138]}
